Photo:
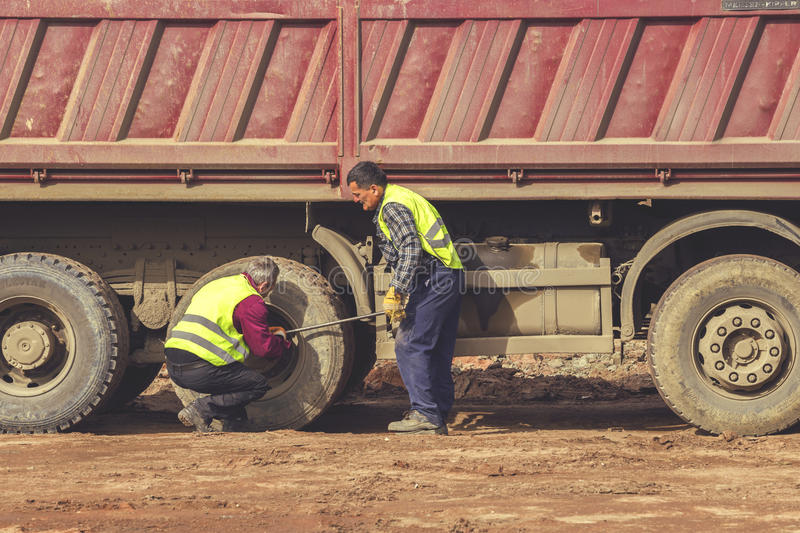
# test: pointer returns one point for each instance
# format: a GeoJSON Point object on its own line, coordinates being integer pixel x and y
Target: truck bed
{"type": "Point", "coordinates": [276, 100]}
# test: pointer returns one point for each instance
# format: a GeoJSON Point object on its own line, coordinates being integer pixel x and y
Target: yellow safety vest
{"type": "Point", "coordinates": [432, 234]}
{"type": "Point", "coordinates": [206, 328]}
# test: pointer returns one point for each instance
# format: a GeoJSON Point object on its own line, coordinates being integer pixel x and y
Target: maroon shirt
{"type": "Point", "coordinates": [250, 319]}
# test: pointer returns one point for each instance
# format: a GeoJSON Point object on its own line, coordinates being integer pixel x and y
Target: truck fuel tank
{"type": "Point", "coordinates": [531, 289]}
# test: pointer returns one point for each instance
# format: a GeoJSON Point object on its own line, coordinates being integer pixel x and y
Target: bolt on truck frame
{"type": "Point", "coordinates": [609, 168]}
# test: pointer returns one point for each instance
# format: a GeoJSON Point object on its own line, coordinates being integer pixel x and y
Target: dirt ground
{"type": "Point", "coordinates": [596, 452]}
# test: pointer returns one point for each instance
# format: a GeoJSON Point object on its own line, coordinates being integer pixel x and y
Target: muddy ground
{"type": "Point", "coordinates": [535, 445]}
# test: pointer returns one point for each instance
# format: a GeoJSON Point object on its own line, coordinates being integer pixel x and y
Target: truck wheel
{"type": "Point", "coordinates": [723, 345]}
{"type": "Point", "coordinates": [310, 376]}
{"type": "Point", "coordinates": [63, 342]}
{"type": "Point", "coordinates": [134, 382]}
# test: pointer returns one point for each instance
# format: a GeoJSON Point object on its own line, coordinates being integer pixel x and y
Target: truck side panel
{"type": "Point", "coordinates": [274, 99]}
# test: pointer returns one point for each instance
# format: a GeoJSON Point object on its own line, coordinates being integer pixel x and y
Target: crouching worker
{"type": "Point", "coordinates": [225, 323]}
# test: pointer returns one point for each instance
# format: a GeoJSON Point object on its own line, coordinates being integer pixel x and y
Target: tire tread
{"type": "Point", "coordinates": [666, 300]}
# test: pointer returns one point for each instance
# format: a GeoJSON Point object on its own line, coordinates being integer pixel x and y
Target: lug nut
{"type": "Point", "coordinates": [767, 368]}
{"type": "Point", "coordinates": [769, 334]}
{"type": "Point", "coordinates": [737, 321]}
{"type": "Point", "coordinates": [734, 377]}
{"type": "Point", "coordinates": [722, 332]}
{"type": "Point", "coordinates": [719, 365]}
{"type": "Point", "coordinates": [755, 322]}
{"type": "Point", "coordinates": [751, 378]}
{"type": "Point", "coordinates": [774, 351]}
{"type": "Point", "coordinates": [715, 348]}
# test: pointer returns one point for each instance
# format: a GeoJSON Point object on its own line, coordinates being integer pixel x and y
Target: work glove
{"type": "Point", "coordinates": [279, 331]}
{"type": "Point", "coordinates": [394, 305]}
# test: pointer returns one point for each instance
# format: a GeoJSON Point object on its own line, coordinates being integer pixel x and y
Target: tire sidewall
{"type": "Point", "coordinates": [685, 304]}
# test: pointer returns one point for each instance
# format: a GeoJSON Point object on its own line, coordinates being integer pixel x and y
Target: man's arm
{"type": "Point", "coordinates": [250, 319]}
{"type": "Point", "coordinates": [403, 231]}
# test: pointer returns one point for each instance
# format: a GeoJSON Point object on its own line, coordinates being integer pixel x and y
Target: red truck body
{"type": "Point", "coordinates": [579, 99]}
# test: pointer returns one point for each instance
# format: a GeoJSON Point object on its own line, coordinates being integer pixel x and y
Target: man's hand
{"type": "Point", "coordinates": [394, 305]}
{"type": "Point", "coordinates": [279, 331]}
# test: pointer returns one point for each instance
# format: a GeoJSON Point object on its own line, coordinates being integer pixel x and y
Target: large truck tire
{"type": "Point", "coordinates": [723, 345]}
{"type": "Point", "coordinates": [63, 343]}
{"type": "Point", "coordinates": [134, 382]}
{"type": "Point", "coordinates": [311, 375]}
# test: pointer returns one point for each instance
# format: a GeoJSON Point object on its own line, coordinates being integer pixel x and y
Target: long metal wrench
{"type": "Point", "coordinates": [306, 328]}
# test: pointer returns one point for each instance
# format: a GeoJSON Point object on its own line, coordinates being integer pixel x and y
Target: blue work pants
{"type": "Point", "coordinates": [426, 338]}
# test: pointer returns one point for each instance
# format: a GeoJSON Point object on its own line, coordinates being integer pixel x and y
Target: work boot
{"type": "Point", "coordinates": [190, 416]}
{"type": "Point", "coordinates": [415, 423]}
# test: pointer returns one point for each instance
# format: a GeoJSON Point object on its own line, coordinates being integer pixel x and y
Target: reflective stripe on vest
{"type": "Point", "coordinates": [206, 328]}
{"type": "Point", "coordinates": [434, 236]}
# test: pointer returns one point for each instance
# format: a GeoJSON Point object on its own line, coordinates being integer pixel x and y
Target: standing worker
{"type": "Point", "coordinates": [424, 294]}
{"type": "Point", "coordinates": [225, 323]}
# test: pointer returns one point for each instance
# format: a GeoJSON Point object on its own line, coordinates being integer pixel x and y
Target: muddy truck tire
{"type": "Point", "coordinates": [133, 383]}
{"type": "Point", "coordinates": [723, 345]}
{"type": "Point", "coordinates": [308, 378]}
{"type": "Point", "coordinates": [63, 343]}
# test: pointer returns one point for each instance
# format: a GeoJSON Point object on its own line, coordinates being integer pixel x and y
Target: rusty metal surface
{"type": "Point", "coordinates": [504, 99]}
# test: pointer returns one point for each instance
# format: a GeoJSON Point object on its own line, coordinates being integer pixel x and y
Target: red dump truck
{"type": "Point", "coordinates": [610, 169]}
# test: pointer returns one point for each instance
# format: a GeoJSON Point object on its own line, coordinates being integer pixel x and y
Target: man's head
{"type": "Point", "coordinates": [367, 183]}
{"type": "Point", "coordinates": [264, 273]}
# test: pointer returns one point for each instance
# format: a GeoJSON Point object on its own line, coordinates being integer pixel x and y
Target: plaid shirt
{"type": "Point", "coordinates": [404, 253]}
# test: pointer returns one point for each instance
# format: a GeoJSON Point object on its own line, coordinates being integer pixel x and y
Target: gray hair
{"type": "Point", "coordinates": [263, 270]}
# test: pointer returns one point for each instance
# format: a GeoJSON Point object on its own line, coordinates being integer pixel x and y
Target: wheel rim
{"type": "Point", "coordinates": [37, 346]}
{"type": "Point", "coordinates": [743, 349]}
{"type": "Point", "coordinates": [281, 373]}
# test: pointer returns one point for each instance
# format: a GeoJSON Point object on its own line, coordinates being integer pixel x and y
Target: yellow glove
{"type": "Point", "coordinates": [279, 331]}
{"type": "Point", "coordinates": [394, 305]}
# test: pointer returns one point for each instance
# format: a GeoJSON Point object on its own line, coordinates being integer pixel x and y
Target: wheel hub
{"type": "Point", "coordinates": [28, 345]}
{"type": "Point", "coordinates": [742, 348]}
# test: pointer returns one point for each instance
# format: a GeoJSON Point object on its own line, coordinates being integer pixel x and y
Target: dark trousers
{"type": "Point", "coordinates": [426, 339]}
{"type": "Point", "coordinates": [230, 387]}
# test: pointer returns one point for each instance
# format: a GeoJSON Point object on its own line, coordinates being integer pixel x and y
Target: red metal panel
{"type": "Point", "coordinates": [533, 70]}
{"type": "Point", "coordinates": [248, 80]}
{"type": "Point", "coordinates": [716, 57]}
{"type": "Point", "coordinates": [647, 81]}
{"type": "Point", "coordinates": [315, 103]}
{"type": "Point", "coordinates": [416, 80]}
{"type": "Point", "coordinates": [234, 53]}
{"type": "Point", "coordinates": [385, 47]}
{"type": "Point", "coordinates": [788, 117]}
{"type": "Point", "coordinates": [584, 88]}
{"type": "Point", "coordinates": [512, 34]}
{"type": "Point", "coordinates": [447, 91]}
{"type": "Point", "coordinates": [488, 65]}
{"type": "Point", "coordinates": [451, 82]}
{"type": "Point", "coordinates": [766, 79]}
{"type": "Point", "coordinates": [370, 9]}
{"type": "Point", "coordinates": [171, 9]}
{"type": "Point", "coordinates": [19, 42]}
{"type": "Point", "coordinates": [168, 80]}
{"type": "Point", "coordinates": [52, 79]}
{"type": "Point", "coordinates": [786, 121]}
{"type": "Point", "coordinates": [561, 9]}
{"type": "Point", "coordinates": [283, 79]}
{"type": "Point", "coordinates": [108, 81]}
